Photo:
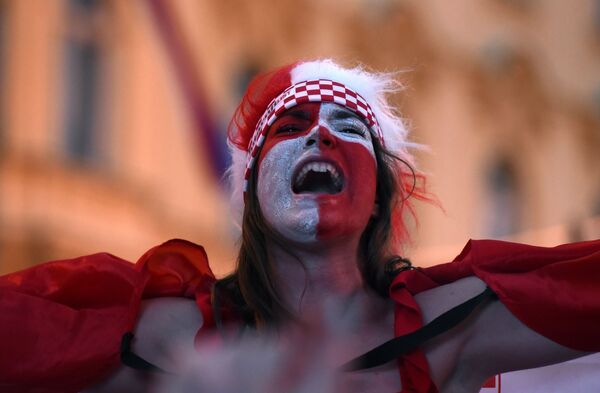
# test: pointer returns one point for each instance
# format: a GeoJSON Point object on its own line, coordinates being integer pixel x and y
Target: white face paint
{"type": "Point", "coordinates": [296, 216]}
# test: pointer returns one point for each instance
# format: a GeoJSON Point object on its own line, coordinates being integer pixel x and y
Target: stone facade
{"type": "Point", "coordinates": [97, 142]}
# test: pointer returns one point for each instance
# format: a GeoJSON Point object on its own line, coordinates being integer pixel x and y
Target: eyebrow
{"type": "Point", "coordinates": [298, 114]}
{"type": "Point", "coordinates": [343, 114]}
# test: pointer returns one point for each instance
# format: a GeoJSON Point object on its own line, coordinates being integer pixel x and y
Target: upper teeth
{"type": "Point", "coordinates": [318, 167]}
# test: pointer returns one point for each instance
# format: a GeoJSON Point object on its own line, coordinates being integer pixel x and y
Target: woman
{"type": "Point", "coordinates": [323, 178]}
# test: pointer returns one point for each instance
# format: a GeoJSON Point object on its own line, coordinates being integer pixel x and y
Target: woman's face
{"type": "Point", "coordinates": [317, 174]}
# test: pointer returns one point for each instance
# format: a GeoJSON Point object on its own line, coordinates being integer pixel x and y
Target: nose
{"type": "Point", "coordinates": [320, 137]}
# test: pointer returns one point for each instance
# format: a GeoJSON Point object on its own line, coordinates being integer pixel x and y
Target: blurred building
{"type": "Point", "coordinates": [108, 109]}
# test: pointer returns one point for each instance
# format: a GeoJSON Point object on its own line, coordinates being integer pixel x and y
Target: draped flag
{"type": "Point", "coordinates": [576, 376]}
{"type": "Point", "coordinates": [492, 385]}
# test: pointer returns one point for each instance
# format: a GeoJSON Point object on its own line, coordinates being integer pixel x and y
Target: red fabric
{"type": "Point", "coordinates": [554, 291]}
{"type": "Point", "coordinates": [61, 323]}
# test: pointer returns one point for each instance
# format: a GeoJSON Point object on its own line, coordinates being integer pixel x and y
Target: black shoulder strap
{"type": "Point", "coordinates": [378, 356]}
{"type": "Point", "coordinates": [132, 360]}
{"type": "Point", "coordinates": [398, 346]}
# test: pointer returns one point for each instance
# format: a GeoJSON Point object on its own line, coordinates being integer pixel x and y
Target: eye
{"type": "Point", "coordinates": [287, 129]}
{"type": "Point", "coordinates": [353, 130]}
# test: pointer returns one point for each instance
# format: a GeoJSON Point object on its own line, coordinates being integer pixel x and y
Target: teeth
{"type": "Point", "coordinates": [319, 167]}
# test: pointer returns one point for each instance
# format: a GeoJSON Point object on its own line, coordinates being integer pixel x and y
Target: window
{"type": "Point", "coordinates": [596, 100]}
{"type": "Point", "coordinates": [82, 67]}
{"type": "Point", "coordinates": [501, 213]}
{"type": "Point", "coordinates": [497, 56]}
{"type": "Point", "coordinates": [596, 16]}
{"type": "Point", "coordinates": [2, 106]}
{"type": "Point", "coordinates": [242, 77]}
{"type": "Point", "coordinates": [2, 67]}
{"type": "Point", "coordinates": [596, 206]}
{"type": "Point", "coordinates": [518, 4]}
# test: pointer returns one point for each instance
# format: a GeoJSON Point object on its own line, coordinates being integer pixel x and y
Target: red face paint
{"type": "Point", "coordinates": [326, 134]}
{"type": "Point", "coordinates": [343, 214]}
{"type": "Point", "coordinates": [293, 123]}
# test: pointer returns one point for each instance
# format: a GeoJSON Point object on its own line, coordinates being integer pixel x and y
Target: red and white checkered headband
{"type": "Point", "coordinates": [316, 90]}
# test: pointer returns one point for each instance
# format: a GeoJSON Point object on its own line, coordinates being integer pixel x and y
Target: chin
{"type": "Point", "coordinates": [343, 217]}
{"type": "Point", "coordinates": [297, 226]}
{"type": "Point", "coordinates": [310, 221]}
{"type": "Point", "coordinates": [332, 230]}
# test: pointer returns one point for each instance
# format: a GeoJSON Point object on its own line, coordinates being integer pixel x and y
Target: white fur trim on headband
{"type": "Point", "coordinates": [315, 90]}
{"type": "Point", "coordinates": [372, 87]}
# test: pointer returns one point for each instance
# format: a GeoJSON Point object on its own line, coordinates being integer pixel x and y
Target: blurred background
{"type": "Point", "coordinates": [113, 115]}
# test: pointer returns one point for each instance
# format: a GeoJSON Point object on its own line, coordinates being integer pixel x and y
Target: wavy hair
{"type": "Point", "coordinates": [251, 289]}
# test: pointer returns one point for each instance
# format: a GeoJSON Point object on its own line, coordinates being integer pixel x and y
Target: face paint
{"type": "Point", "coordinates": [317, 173]}
{"type": "Point", "coordinates": [349, 213]}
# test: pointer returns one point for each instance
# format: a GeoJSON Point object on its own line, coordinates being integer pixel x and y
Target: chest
{"type": "Point", "coordinates": [381, 379]}
{"type": "Point", "coordinates": [385, 378]}
{"type": "Point", "coordinates": [440, 354]}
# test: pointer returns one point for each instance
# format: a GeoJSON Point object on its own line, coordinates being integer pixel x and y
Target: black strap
{"type": "Point", "coordinates": [398, 346]}
{"type": "Point", "coordinates": [132, 360]}
{"type": "Point", "coordinates": [384, 353]}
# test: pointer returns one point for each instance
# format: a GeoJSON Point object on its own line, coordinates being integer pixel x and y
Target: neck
{"type": "Point", "coordinates": [308, 275]}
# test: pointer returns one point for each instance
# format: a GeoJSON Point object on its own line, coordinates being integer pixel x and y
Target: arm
{"type": "Point", "coordinates": [165, 327]}
{"type": "Point", "coordinates": [490, 341]}
{"type": "Point", "coordinates": [61, 322]}
{"type": "Point", "coordinates": [499, 342]}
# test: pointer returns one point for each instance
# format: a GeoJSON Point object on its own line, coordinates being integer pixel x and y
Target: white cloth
{"type": "Point", "coordinates": [580, 375]}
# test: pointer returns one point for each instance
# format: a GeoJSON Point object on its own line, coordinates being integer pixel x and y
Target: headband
{"type": "Point", "coordinates": [316, 90]}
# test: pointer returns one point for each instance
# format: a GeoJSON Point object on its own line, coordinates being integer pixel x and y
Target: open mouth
{"type": "Point", "coordinates": [318, 177]}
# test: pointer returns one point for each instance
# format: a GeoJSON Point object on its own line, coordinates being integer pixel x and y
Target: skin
{"type": "Point", "coordinates": [315, 133]}
{"type": "Point", "coordinates": [317, 271]}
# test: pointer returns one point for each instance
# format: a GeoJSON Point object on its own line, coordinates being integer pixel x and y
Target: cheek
{"type": "Point", "coordinates": [291, 219]}
{"type": "Point", "coordinates": [352, 212]}
{"type": "Point", "coordinates": [364, 169]}
{"type": "Point", "coordinates": [274, 172]}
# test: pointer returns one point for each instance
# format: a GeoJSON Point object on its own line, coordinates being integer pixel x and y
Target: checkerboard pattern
{"type": "Point", "coordinates": [317, 90]}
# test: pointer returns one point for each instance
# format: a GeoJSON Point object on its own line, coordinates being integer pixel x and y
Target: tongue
{"type": "Point", "coordinates": [316, 182]}
{"type": "Point", "coordinates": [321, 188]}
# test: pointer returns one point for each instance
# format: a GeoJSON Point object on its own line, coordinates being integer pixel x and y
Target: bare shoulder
{"type": "Point", "coordinates": [166, 315]}
{"type": "Point", "coordinates": [443, 352]}
{"type": "Point", "coordinates": [440, 299]}
{"type": "Point", "coordinates": [164, 326]}
{"type": "Point", "coordinates": [460, 357]}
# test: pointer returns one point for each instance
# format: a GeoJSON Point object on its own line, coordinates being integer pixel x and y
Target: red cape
{"type": "Point", "coordinates": [61, 322]}
{"type": "Point", "coordinates": [554, 291]}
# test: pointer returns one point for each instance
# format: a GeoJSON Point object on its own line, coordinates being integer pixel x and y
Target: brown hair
{"type": "Point", "coordinates": [251, 291]}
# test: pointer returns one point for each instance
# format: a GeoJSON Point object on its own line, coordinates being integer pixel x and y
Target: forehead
{"type": "Point", "coordinates": [324, 110]}
{"type": "Point", "coordinates": [333, 111]}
